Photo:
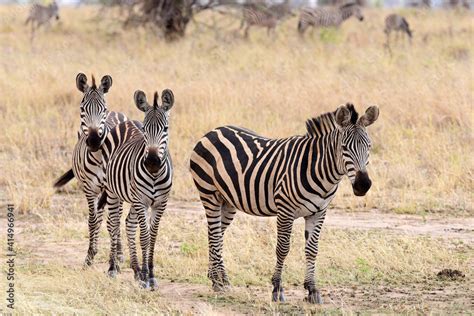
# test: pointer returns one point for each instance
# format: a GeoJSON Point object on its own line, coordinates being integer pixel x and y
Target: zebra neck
{"type": "Point", "coordinates": [329, 156]}
{"type": "Point", "coordinates": [346, 13]}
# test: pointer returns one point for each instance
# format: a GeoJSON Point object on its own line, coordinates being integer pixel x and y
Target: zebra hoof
{"type": "Point", "coordinates": [278, 296]}
{"type": "Point", "coordinates": [112, 274]}
{"type": "Point", "coordinates": [219, 287]}
{"type": "Point", "coordinates": [314, 297]}
{"type": "Point", "coordinates": [153, 283]}
{"type": "Point", "coordinates": [143, 284]}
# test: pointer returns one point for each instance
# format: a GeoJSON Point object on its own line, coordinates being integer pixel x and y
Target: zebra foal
{"type": "Point", "coordinates": [138, 170]}
{"type": "Point", "coordinates": [327, 17]}
{"type": "Point", "coordinates": [264, 16]}
{"type": "Point", "coordinates": [96, 122]}
{"type": "Point", "coordinates": [40, 15]}
{"type": "Point", "coordinates": [234, 168]}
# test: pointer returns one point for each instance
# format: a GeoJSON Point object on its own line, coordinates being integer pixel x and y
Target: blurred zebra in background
{"type": "Point", "coordinates": [138, 170]}
{"type": "Point", "coordinates": [96, 122]}
{"type": "Point", "coordinates": [259, 14]}
{"type": "Point", "coordinates": [397, 23]}
{"type": "Point", "coordinates": [234, 168]}
{"type": "Point", "coordinates": [327, 17]}
{"type": "Point", "coordinates": [41, 15]}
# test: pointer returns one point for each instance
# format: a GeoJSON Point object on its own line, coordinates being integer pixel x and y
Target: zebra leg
{"type": "Point", "coordinates": [246, 32]}
{"type": "Point", "coordinates": [131, 224]}
{"type": "Point", "coordinates": [227, 216]}
{"type": "Point", "coordinates": [213, 206]}
{"type": "Point", "coordinates": [284, 227]}
{"type": "Point", "coordinates": [120, 256]}
{"type": "Point", "coordinates": [312, 232]}
{"type": "Point", "coordinates": [94, 221]}
{"type": "Point", "coordinates": [144, 241]}
{"type": "Point", "coordinates": [157, 212]}
{"type": "Point", "coordinates": [113, 226]}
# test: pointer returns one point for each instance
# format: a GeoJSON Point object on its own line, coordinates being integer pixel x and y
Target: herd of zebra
{"type": "Point", "coordinates": [118, 160]}
{"type": "Point", "coordinates": [266, 16]}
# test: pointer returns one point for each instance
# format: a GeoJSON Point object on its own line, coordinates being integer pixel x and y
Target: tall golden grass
{"type": "Point", "coordinates": [423, 142]}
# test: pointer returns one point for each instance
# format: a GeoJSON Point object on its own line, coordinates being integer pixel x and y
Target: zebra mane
{"type": "Point", "coordinates": [348, 5]}
{"type": "Point", "coordinates": [321, 125]}
{"type": "Point", "coordinates": [93, 86]}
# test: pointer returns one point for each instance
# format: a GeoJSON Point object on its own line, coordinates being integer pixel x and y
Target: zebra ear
{"type": "Point", "coordinates": [370, 116]}
{"type": "Point", "coordinates": [140, 101]}
{"type": "Point", "coordinates": [81, 82]}
{"type": "Point", "coordinates": [167, 99]}
{"type": "Point", "coordinates": [105, 83]}
{"type": "Point", "coordinates": [343, 116]}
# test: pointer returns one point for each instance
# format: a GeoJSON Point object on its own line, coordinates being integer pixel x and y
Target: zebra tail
{"type": "Point", "coordinates": [102, 201]}
{"type": "Point", "coordinates": [27, 20]}
{"type": "Point", "coordinates": [65, 178]}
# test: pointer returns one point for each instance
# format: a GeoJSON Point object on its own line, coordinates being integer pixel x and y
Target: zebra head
{"type": "Point", "coordinates": [355, 145]}
{"type": "Point", "coordinates": [155, 127]}
{"type": "Point", "coordinates": [351, 9]}
{"type": "Point", "coordinates": [93, 110]}
{"type": "Point", "coordinates": [54, 10]}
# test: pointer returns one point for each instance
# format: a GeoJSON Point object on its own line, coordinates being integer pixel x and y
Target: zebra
{"type": "Point", "coordinates": [138, 170]}
{"type": "Point", "coordinates": [41, 15]}
{"type": "Point", "coordinates": [234, 168]}
{"type": "Point", "coordinates": [96, 121]}
{"type": "Point", "coordinates": [395, 22]}
{"type": "Point", "coordinates": [264, 16]}
{"type": "Point", "coordinates": [327, 17]}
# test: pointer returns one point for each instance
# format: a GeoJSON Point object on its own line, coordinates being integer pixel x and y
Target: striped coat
{"type": "Point", "coordinates": [236, 169]}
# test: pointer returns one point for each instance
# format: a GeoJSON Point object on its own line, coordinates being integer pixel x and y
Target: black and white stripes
{"type": "Point", "coordinates": [327, 16]}
{"type": "Point", "coordinates": [138, 170]}
{"type": "Point", "coordinates": [293, 177]}
{"type": "Point", "coordinates": [95, 123]}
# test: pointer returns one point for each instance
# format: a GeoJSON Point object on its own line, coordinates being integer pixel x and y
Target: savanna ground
{"type": "Point", "coordinates": [380, 253]}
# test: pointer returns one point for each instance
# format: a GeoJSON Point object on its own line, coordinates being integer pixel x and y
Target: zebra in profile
{"type": "Point", "coordinates": [264, 16]}
{"type": "Point", "coordinates": [327, 17]}
{"type": "Point", "coordinates": [41, 15]}
{"type": "Point", "coordinates": [398, 23]}
{"type": "Point", "coordinates": [234, 168]}
{"type": "Point", "coordinates": [96, 122]}
{"type": "Point", "coordinates": [138, 170]}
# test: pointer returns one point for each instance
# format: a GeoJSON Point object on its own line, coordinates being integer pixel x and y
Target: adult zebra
{"type": "Point", "coordinates": [138, 170]}
{"type": "Point", "coordinates": [255, 14]}
{"type": "Point", "coordinates": [96, 122]}
{"type": "Point", "coordinates": [328, 17]}
{"type": "Point", "coordinates": [233, 168]}
{"type": "Point", "coordinates": [396, 22]}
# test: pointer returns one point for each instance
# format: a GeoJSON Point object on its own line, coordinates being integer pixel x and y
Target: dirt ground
{"type": "Point", "coordinates": [198, 298]}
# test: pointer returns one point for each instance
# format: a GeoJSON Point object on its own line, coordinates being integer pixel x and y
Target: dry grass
{"type": "Point", "coordinates": [421, 160]}
{"type": "Point", "coordinates": [270, 86]}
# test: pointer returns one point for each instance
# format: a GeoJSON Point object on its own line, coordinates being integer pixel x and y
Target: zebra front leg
{"type": "Point", "coordinates": [157, 212]}
{"type": "Point", "coordinates": [131, 224]}
{"type": "Point", "coordinates": [284, 227]}
{"type": "Point", "coordinates": [113, 226]}
{"type": "Point", "coordinates": [94, 222]}
{"type": "Point", "coordinates": [144, 242]}
{"type": "Point", "coordinates": [120, 256]}
{"type": "Point", "coordinates": [312, 232]}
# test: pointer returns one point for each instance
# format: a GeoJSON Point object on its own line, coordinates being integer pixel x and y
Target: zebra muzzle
{"type": "Point", "coordinates": [152, 161]}
{"type": "Point", "coordinates": [93, 140]}
{"type": "Point", "coordinates": [362, 183]}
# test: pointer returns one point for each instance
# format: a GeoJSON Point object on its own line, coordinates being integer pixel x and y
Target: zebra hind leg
{"type": "Point", "coordinates": [113, 226]}
{"type": "Point", "coordinates": [284, 227]}
{"type": "Point", "coordinates": [120, 256]}
{"type": "Point", "coordinates": [213, 207]}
